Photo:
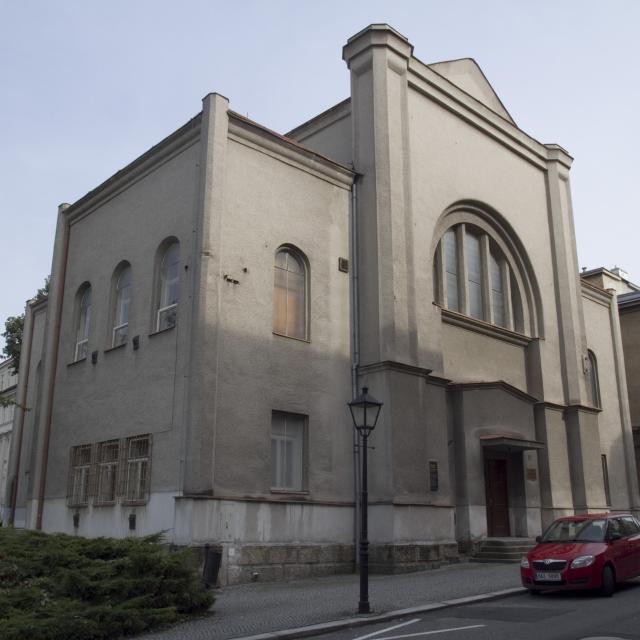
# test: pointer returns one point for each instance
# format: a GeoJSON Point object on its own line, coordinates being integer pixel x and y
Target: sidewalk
{"type": "Point", "coordinates": [260, 608]}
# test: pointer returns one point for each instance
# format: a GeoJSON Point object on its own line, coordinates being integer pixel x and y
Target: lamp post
{"type": "Point", "coordinates": [365, 410]}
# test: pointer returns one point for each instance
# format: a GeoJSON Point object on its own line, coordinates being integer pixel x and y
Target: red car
{"type": "Point", "coordinates": [593, 551]}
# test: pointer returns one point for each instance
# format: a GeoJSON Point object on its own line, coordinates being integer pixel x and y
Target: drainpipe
{"type": "Point", "coordinates": [58, 276]}
{"type": "Point", "coordinates": [23, 381]}
{"type": "Point", "coordinates": [355, 358]}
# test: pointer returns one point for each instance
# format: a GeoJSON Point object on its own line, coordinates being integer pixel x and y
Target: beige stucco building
{"type": "Point", "coordinates": [216, 303]}
{"type": "Point", "coordinates": [8, 380]}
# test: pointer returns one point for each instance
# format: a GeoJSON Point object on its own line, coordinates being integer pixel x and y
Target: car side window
{"type": "Point", "coordinates": [629, 526]}
{"type": "Point", "coordinates": [614, 527]}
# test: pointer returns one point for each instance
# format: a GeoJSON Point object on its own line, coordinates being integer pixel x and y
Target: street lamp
{"type": "Point", "coordinates": [365, 410]}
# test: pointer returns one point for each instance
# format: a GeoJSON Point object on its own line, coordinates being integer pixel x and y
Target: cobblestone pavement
{"type": "Point", "coordinates": [245, 610]}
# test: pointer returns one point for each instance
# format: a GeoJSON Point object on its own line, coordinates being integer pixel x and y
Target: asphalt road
{"type": "Point", "coordinates": [551, 616]}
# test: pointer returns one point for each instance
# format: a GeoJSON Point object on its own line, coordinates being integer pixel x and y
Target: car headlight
{"type": "Point", "coordinates": [582, 561]}
{"type": "Point", "coordinates": [524, 563]}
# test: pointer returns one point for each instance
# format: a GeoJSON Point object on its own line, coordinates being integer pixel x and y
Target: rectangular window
{"type": "Point", "coordinates": [108, 456]}
{"type": "Point", "coordinates": [433, 475]}
{"type": "Point", "coordinates": [473, 259]}
{"type": "Point", "coordinates": [287, 451]}
{"type": "Point", "coordinates": [605, 477]}
{"type": "Point", "coordinates": [137, 467]}
{"type": "Point", "coordinates": [79, 484]}
{"type": "Point", "coordinates": [451, 269]}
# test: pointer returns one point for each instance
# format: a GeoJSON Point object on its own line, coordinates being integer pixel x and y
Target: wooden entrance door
{"type": "Point", "coordinates": [495, 479]}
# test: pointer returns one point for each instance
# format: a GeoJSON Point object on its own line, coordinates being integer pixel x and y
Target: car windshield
{"type": "Point", "coordinates": [576, 531]}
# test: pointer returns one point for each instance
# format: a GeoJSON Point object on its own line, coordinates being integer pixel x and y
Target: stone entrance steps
{"type": "Point", "coordinates": [502, 549]}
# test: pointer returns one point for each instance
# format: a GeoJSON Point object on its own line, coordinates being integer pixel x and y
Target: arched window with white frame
{"type": "Point", "coordinates": [83, 321]}
{"type": "Point", "coordinates": [290, 296]}
{"type": "Point", "coordinates": [122, 303]}
{"type": "Point", "coordinates": [169, 287]}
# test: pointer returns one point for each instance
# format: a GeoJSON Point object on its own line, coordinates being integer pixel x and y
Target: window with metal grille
{"type": "Point", "coordinates": [137, 467]}
{"type": "Point", "coordinates": [108, 456]}
{"type": "Point", "coordinates": [79, 484]}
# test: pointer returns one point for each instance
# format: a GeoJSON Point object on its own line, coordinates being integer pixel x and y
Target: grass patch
{"type": "Point", "coordinates": [59, 587]}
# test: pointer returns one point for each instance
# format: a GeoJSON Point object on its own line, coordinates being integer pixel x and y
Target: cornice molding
{"type": "Point", "coordinates": [288, 151]}
{"type": "Point", "coordinates": [174, 144]}
{"type": "Point", "coordinates": [392, 365]}
{"type": "Point", "coordinates": [595, 294]}
{"type": "Point", "coordinates": [430, 83]}
{"type": "Point", "coordinates": [479, 326]}
{"type": "Point", "coordinates": [332, 115]}
{"type": "Point", "coordinates": [494, 384]}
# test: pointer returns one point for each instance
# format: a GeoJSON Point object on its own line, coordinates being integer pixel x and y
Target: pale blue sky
{"type": "Point", "coordinates": [87, 86]}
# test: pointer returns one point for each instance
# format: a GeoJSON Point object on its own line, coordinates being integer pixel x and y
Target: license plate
{"type": "Point", "coordinates": [546, 576]}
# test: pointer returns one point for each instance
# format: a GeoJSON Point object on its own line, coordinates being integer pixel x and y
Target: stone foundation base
{"type": "Point", "coordinates": [404, 558]}
{"type": "Point", "coordinates": [276, 562]}
{"type": "Point", "coordinates": [268, 563]}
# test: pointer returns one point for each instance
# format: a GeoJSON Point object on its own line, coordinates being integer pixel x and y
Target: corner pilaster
{"type": "Point", "coordinates": [202, 374]}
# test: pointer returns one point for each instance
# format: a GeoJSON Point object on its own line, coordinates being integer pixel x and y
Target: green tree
{"type": "Point", "coordinates": [13, 328]}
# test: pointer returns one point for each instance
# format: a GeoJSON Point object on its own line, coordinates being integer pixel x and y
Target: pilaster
{"type": "Point", "coordinates": [200, 408]}
{"type": "Point", "coordinates": [570, 316]}
{"type": "Point", "coordinates": [378, 59]}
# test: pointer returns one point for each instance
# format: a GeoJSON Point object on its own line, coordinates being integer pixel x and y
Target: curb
{"type": "Point", "coordinates": [348, 623]}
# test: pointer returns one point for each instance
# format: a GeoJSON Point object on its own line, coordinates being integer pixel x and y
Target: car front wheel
{"type": "Point", "coordinates": [608, 582]}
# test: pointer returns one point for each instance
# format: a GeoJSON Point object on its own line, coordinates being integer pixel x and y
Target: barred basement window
{"type": "Point", "coordinates": [433, 475]}
{"type": "Point", "coordinates": [79, 484]}
{"type": "Point", "coordinates": [108, 455]}
{"type": "Point", "coordinates": [137, 469]}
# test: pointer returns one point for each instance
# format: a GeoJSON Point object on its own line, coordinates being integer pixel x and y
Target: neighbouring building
{"type": "Point", "coordinates": [216, 303]}
{"type": "Point", "coordinates": [8, 381]}
{"type": "Point", "coordinates": [616, 282]}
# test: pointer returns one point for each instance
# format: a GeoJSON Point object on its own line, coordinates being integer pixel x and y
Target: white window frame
{"type": "Point", "coordinates": [81, 350]}
{"type": "Point", "coordinates": [163, 284]}
{"type": "Point", "coordinates": [107, 471]}
{"type": "Point", "coordinates": [137, 471]}
{"type": "Point", "coordinates": [118, 300]}
{"type": "Point", "coordinates": [80, 475]}
{"type": "Point", "coordinates": [298, 442]}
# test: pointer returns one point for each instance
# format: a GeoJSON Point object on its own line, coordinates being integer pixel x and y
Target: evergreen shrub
{"type": "Point", "coordinates": [60, 587]}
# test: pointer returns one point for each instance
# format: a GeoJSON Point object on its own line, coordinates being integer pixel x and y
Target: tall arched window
{"type": "Point", "coordinates": [594, 382]}
{"type": "Point", "coordinates": [82, 324]}
{"type": "Point", "coordinates": [290, 294]}
{"type": "Point", "coordinates": [122, 300]}
{"type": "Point", "coordinates": [169, 292]}
{"type": "Point", "coordinates": [472, 276]}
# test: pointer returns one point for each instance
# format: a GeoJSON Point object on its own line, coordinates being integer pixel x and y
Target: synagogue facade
{"type": "Point", "coordinates": [215, 304]}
